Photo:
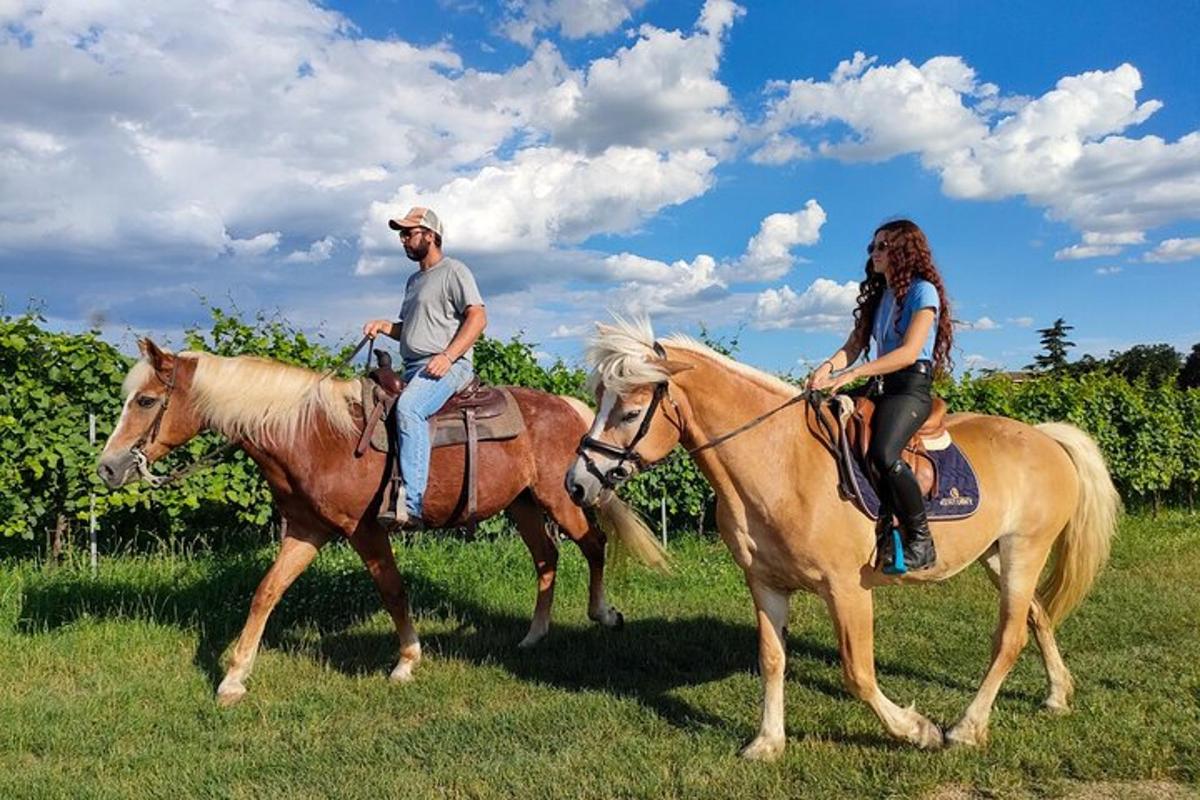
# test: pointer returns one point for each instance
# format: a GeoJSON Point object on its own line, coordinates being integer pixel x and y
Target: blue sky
{"type": "Point", "coordinates": [703, 162]}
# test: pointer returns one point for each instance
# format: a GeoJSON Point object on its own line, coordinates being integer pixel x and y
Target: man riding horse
{"type": "Point", "coordinates": [441, 318]}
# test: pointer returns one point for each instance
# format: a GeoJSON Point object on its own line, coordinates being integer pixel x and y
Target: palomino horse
{"type": "Point", "coordinates": [301, 431]}
{"type": "Point", "coordinates": [1042, 488]}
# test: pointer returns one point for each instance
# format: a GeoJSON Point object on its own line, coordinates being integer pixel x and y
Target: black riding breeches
{"type": "Point", "coordinates": [900, 411]}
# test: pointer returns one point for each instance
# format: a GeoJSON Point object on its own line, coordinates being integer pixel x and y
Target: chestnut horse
{"type": "Point", "coordinates": [1043, 489]}
{"type": "Point", "coordinates": [301, 430]}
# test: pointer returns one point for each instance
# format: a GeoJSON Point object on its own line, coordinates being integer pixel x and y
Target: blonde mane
{"type": "Point", "coordinates": [260, 400]}
{"type": "Point", "coordinates": [622, 357]}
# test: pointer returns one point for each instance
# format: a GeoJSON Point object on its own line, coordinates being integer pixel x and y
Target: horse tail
{"type": "Point", "coordinates": [623, 526]}
{"type": "Point", "coordinates": [1083, 547]}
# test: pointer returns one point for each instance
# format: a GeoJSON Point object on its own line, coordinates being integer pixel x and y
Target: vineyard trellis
{"type": "Point", "coordinates": [53, 381]}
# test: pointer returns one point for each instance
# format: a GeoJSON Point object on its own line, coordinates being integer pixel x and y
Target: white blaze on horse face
{"type": "Point", "coordinates": [607, 401]}
{"type": "Point", "coordinates": [119, 428]}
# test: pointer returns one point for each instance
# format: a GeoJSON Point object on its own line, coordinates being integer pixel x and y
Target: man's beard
{"type": "Point", "coordinates": [416, 253]}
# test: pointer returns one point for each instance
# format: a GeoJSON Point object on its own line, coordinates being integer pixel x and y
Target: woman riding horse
{"type": "Point", "coordinates": [902, 307]}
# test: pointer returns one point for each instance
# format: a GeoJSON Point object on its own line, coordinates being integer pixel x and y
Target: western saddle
{"type": "Point", "coordinates": [475, 413]}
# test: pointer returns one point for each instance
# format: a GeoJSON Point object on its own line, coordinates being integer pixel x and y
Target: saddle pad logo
{"type": "Point", "coordinates": [954, 498]}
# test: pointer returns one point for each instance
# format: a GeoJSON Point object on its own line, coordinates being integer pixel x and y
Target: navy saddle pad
{"type": "Point", "coordinates": [957, 490]}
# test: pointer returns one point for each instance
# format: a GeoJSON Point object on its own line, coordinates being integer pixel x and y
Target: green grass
{"type": "Point", "coordinates": [106, 684]}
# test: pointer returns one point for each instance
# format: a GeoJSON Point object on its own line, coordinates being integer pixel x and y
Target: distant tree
{"type": "Point", "coordinates": [1158, 364]}
{"type": "Point", "coordinates": [1086, 364]}
{"type": "Point", "coordinates": [1055, 344]}
{"type": "Point", "coordinates": [1189, 376]}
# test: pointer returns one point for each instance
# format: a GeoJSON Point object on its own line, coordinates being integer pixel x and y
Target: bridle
{"type": "Point", "coordinates": [613, 477]}
{"type": "Point", "coordinates": [619, 472]}
{"type": "Point", "coordinates": [151, 432]}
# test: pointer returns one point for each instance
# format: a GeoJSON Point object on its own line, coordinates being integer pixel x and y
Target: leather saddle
{"type": "Point", "coordinates": [933, 435]}
{"type": "Point", "coordinates": [476, 413]}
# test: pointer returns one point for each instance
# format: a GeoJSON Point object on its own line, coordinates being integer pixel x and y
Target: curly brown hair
{"type": "Point", "coordinates": [911, 258]}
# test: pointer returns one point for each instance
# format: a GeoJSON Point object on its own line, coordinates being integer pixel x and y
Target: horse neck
{"type": "Point", "coordinates": [718, 400]}
{"type": "Point", "coordinates": [316, 441]}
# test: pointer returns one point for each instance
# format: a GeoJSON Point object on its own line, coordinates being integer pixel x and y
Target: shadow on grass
{"type": "Point", "coordinates": [646, 660]}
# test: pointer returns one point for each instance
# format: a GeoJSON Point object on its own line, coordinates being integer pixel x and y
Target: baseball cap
{"type": "Point", "coordinates": [418, 217]}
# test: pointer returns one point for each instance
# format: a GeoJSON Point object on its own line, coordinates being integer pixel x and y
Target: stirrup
{"type": "Point", "coordinates": [393, 511]}
{"type": "Point", "coordinates": [896, 566]}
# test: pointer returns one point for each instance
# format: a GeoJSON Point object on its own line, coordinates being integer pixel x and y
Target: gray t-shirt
{"type": "Point", "coordinates": [435, 304]}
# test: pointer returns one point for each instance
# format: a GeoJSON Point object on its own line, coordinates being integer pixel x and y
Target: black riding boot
{"type": "Point", "coordinates": [885, 550]}
{"type": "Point", "coordinates": [919, 552]}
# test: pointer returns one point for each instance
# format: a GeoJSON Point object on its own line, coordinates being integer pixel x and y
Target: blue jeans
{"type": "Point", "coordinates": [421, 398]}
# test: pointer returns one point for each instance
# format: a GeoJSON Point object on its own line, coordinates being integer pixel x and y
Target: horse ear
{"type": "Point", "coordinates": [153, 354]}
{"type": "Point", "coordinates": [673, 367]}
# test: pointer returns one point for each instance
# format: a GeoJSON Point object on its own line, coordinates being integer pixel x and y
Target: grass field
{"type": "Point", "coordinates": [106, 685]}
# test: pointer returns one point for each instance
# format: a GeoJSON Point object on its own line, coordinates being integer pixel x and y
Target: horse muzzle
{"type": "Point", "coordinates": [117, 469]}
{"type": "Point", "coordinates": [582, 485]}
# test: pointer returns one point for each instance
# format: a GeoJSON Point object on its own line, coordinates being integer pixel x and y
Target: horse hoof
{"type": "Point", "coordinates": [230, 696]}
{"type": "Point", "coordinates": [1056, 707]}
{"type": "Point", "coordinates": [762, 749]}
{"type": "Point", "coordinates": [965, 736]}
{"type": "Point", "coordinates": [403, 673]}
{"type": "Point", "coordinates": [530, 641]}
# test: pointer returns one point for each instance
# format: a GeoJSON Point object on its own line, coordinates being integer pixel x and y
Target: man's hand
{"type": "Point", "coordinates": [438, 366]}
{"type": "Point", "coordinates": [378, 326]}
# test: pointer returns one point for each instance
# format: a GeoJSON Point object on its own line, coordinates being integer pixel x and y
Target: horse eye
{"type": "Point", "coordinates": [630, 416]}
{"type": "Point", "coordinates": [146, 401]}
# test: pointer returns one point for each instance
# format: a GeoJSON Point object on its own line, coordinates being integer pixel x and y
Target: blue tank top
{"type": "Point", "coordinates": [887, 335]}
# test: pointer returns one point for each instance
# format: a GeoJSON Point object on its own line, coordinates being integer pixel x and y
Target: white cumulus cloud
{"type": "Point", "coordinates": [542, 197]}
{"type": "Point", "coordinates": [576, 19]}
{"type": "Point", "coordinates": [1064, 150]}
{"type": "Point", "coordinates": [319, 250]}
{"type": "Point", "coordinates": [769, 252]}
{"type": "Point", "coordinates": [1175, 250]}
{"type": "Point", "coordinates": [824, 305]}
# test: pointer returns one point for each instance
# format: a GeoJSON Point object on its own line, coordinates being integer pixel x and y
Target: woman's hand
{"type": "Point", "coordinates": [824, 379]}
{"type": "Point", "coordinates": [847, 376]}
{"type": "Point", "coordinates": [819, 378]}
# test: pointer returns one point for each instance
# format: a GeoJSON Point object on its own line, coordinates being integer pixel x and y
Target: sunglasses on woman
{"type": "Point", "coordinates": [882, 246]}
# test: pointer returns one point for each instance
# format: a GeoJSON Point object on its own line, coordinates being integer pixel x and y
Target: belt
{"type": "Point", "coordinates": [920, 367]}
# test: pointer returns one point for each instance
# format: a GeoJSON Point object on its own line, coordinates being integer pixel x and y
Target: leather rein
{"type": "Point", "coordinates": [611, 479]}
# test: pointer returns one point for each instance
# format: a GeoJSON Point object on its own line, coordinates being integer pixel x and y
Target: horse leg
{"type": "Point", "coordinates": [591, 540]}
{"type": "Point", "coordinates": [852, 609]}
{"type": "Point", "coordinates": [532, 525]}
{"type": "Point", "coordinates": [295, 554]}
{"type": "Point", "coordinates": [771, 608]}
{"type": "Point", "coordinates": [375, 549]}
{"type": "Point", "coordinates": [1062, 686]}
{"type": "Point", "coordinates": [1019, 569]}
